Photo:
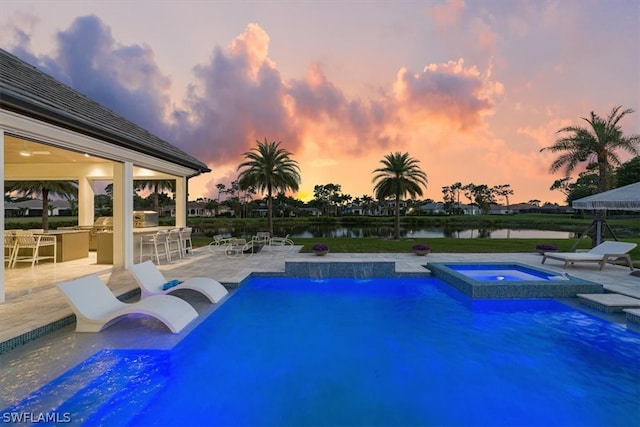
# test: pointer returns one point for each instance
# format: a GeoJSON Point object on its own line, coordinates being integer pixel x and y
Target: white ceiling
{"type": "Point", "coordinates": [20, 151]}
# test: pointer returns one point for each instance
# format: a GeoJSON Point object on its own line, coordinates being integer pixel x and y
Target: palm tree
{"type": "Point", "coordinates": [399, 175]}
{"type": "Point", "coordinates": [596, 143]}
{"type": "Point", "coordinates": [368, 201]}
{"type": "Point", "coordinates": [156, 186]}
{"type": "Point", "coordinates": [67, 189]}
{"type": "Point", "coordinates": [269, 168]}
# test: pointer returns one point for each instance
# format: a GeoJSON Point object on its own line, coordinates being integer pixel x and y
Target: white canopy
{"type": "Point", "coordinates": [625, 198]}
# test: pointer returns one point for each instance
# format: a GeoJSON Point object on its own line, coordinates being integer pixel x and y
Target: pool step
{"type": "Point", "coordinates": [102, 386]}
{"type": "Point", "coordinates": [608, 303]}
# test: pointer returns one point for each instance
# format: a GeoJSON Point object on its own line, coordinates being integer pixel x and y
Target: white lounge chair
{"type": "Point", "coordinates": [96, 307]}
{"type": "Point", "coordinates": [281, 241]}
{"type": "Point", "coordinates": [219, 243]}
{"type": "Point", "coordinates": [603, 253]}
{"type": "Point", "coordinates": [152, 282]}
{"type": "Point", "coordinates": [262, 237]}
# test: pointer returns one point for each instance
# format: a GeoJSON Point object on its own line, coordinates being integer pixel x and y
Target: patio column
{"type": "Point", "coordinates": [123, 214]}
{"type": "Point", "coordinates": [2, 212]}
{"type": "Point", "coordinates": [181, 202]}
{"type": "Point", "coordinates": [86, 208]}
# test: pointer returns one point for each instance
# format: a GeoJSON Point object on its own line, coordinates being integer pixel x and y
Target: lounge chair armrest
{"type": "Point", "coordinates": [614, 256]}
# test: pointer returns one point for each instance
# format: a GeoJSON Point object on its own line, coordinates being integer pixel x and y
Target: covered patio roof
{"type": "Point", "coordinates": [49, 131]}
{"type": "Point", "coordinates": [27, 91]}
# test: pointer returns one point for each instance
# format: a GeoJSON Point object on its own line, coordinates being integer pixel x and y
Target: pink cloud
{"type": "Point", "coordinates": [449, 91]}
{"type": "Point", "coordinates": [448, 14]}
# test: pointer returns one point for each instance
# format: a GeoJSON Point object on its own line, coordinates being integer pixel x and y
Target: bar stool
{"type": "Point", "coordinates": [174, 242]}
{"type": "Point", "coordinates": [158, 244]}
{"type": "Point", "coordinates": [32, 242]}
{"type": "Point", "coordinates": [9, 247]}
{"type": "Point", "coordinates": [185, 237]}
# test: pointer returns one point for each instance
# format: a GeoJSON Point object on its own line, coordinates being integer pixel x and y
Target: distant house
{"type": "Point", "coordinates": [354, 209]}
{"type": "Point", "coordinates": [199, 209]}
{"type": "Point", "coordinates": [436, 208]}
{"type": "Point", "coordinates": [388, 208]}
{"type": "Point", "coordinates": [470, 209]}
{"type": "Point", "coordinates": [555, 209]}
{"type": "Point", "coordinates": [500, 210]}
{"type": "Point", "coordinates": [523, 208]}
{"type": "Point", "coordinates": [33, 208]}
{"type": "Point", "coordinates": [311, 211]}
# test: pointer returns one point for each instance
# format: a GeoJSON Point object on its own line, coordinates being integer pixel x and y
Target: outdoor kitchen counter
{"type": "Point", "coordinates": [70, 244]}
{"type": "Point", "coordinates": [104, 249]}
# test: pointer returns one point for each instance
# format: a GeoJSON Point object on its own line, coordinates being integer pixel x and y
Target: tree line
{"type": "Point", "coordinates": [269, 169]}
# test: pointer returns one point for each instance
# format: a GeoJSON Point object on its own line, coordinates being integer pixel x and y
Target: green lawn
{"type": "Point", "coordinates": [441, 245]}
{"type": "Point", "coordinates": [378, 245]}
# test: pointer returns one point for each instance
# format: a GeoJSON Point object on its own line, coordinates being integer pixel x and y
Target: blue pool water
{"type": "Point", "coordinates": [511, 272]}
{"type": "Point", "coordinates": [410, 351]}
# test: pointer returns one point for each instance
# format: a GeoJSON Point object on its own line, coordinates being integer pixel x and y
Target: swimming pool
{"type": "Point", "coordinates": [410, 351]}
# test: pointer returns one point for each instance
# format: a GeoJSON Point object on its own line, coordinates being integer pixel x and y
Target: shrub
{"type": "Point", "coordinates": [320, 247]}
{"type": "Point", "coordinates": [421, 247]}
{"type": "Point", "coordinates": [546, 247]}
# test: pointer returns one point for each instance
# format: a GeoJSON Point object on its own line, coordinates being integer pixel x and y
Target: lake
{"type": "Point", "coordinates": [318, 231]}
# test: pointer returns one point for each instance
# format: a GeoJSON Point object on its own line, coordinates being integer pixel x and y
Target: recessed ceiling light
{"type": "Point", "coordinates": [25, 153]}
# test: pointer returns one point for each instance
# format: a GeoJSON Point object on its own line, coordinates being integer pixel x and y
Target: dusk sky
{"type": "Point", "coordinates": [473, 89]}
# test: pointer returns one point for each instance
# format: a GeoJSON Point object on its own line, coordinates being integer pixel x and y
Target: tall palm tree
{"type": "Point", "coordinates": [399, 175]}
{"type": "Point", "coordinates": [156, 186]}
{"type": "Point", "coordinates": [368, 201]}
{"type": "Point", "coordinates": [269, 168]}
{"type": "Point", "coordinates": [596, 143]}
{"type": "Point", "coordinates": [67, 189]}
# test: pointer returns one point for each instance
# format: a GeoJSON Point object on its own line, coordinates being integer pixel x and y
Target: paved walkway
{"type": "Point", "coordinates": [37, 362]}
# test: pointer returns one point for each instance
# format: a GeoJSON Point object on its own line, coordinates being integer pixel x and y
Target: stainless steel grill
{"type": "Point", "coordinates": [142, 219]}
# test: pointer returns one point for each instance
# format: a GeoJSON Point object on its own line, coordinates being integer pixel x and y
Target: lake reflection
{"type": "Point", "coordinates": [319, 231]}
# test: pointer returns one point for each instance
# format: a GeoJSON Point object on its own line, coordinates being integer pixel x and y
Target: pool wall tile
{"type": "Point", "coordinates": [632, 317]}
{"type": "Point", "coordinates": [51, 327]}
{"type": "Point", "coordinates": [322, 270]}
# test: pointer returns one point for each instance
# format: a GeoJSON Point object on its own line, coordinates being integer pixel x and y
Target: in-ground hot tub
{"type": "Point", "coordinates": [510, 280]}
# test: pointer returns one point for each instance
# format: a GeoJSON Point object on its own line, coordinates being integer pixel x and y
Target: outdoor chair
{"type": "Point", "coordinates": [280, 241]}
{"type": "Point", "coordinates": [152, 282]}
{"type": "Point", "coordinates": [262, 237]}
{"type": "Point", "coordinates": [219, 243]}
{"type": "Point", "coordinates": [239, 248]}
{"type": "Point", "coordinates": [26, 241]}
{"type": "Point", "coordinates": [280, 244]}
{"type": "Point", "coordinates": [157, 244]}
{"type": "Point", "coordinates": [96, 307]}
{"type": "Point", "coordinates": [174, 243]}
{"type": "Point", "coordinates": [9, 246]}
{"type": "Point", "coordinates": [603, 253]}
{"type": "Point", "coordinates": [185, 239]}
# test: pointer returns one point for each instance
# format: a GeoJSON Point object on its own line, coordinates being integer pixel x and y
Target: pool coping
{"type": "Point", "coordinates": [566, 287]}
